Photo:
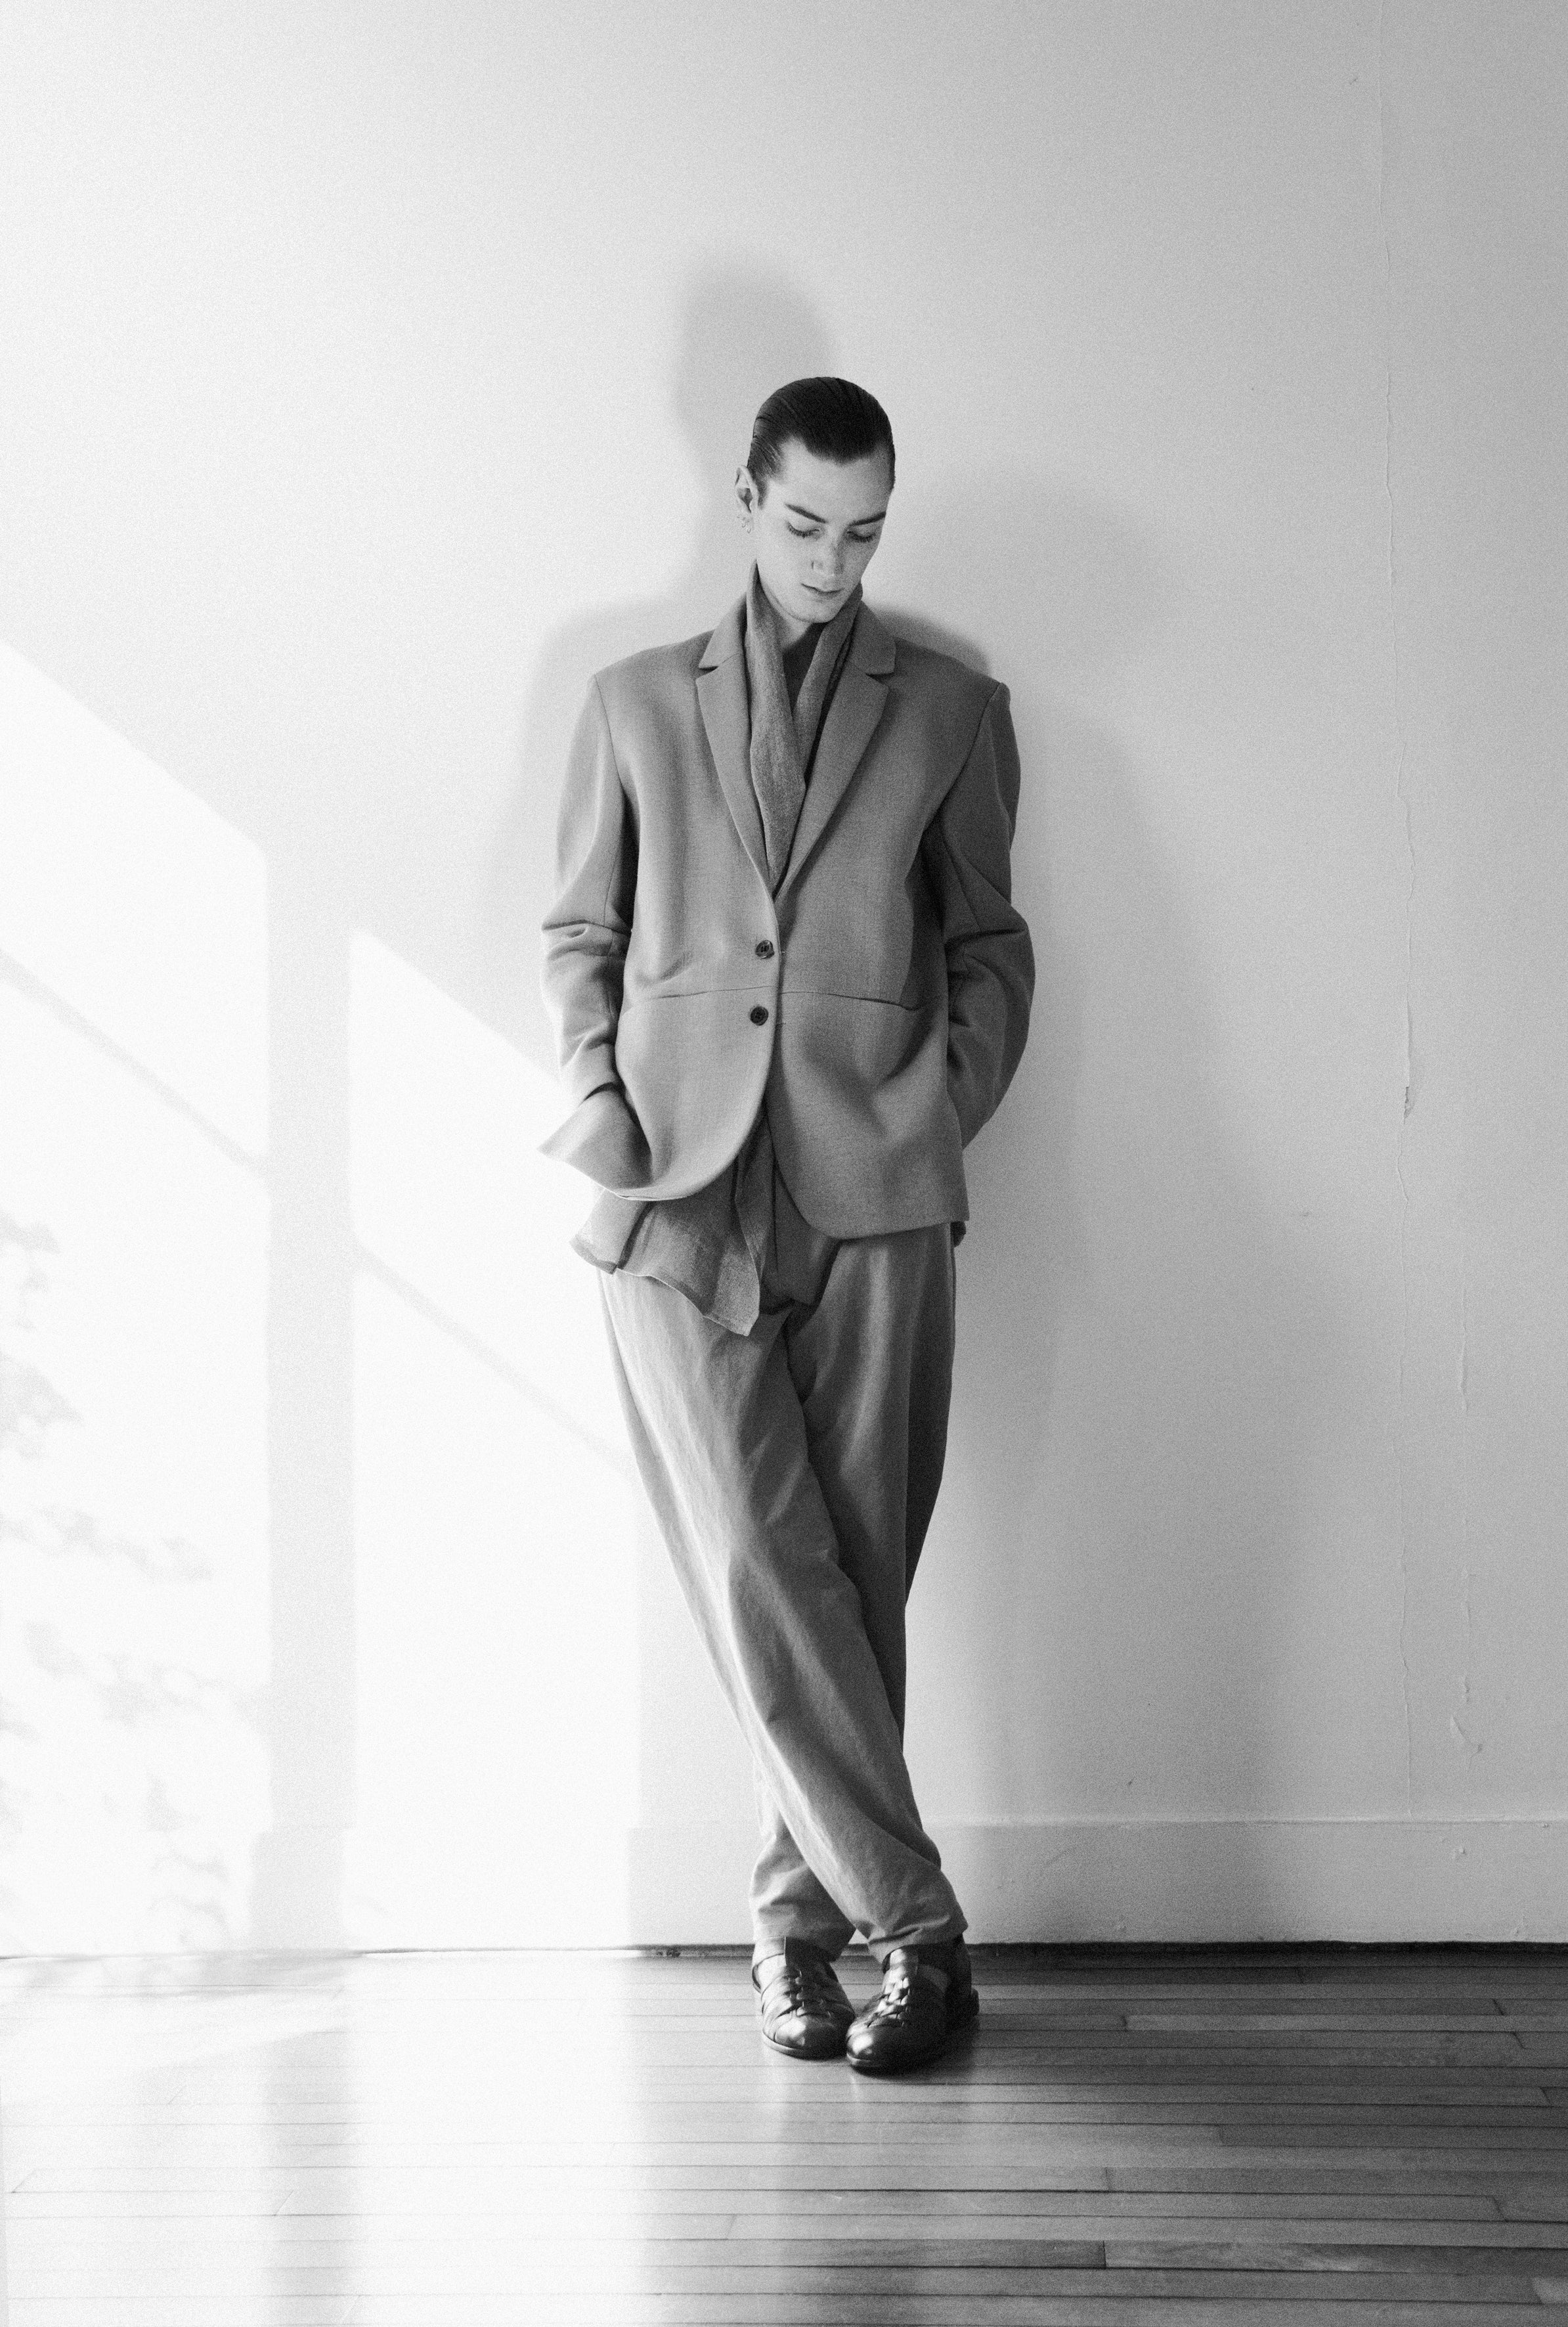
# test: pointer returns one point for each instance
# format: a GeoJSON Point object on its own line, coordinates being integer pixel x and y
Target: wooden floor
{"type": "Point", "coordinates": [1301, 2134]}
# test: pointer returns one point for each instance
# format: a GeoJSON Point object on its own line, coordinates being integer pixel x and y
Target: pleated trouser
{"type": "Point", "coordinates": [793, 1471]}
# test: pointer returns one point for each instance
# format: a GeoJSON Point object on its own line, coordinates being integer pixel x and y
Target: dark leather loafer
{"type": "Point", "coordinates": [912, 2018]}
{"type": "Point", "coordinates": [804, 2012]}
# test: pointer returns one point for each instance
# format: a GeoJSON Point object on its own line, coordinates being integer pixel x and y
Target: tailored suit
{"type": "Point", "coordinates": [813, 1049]}
{"type": "Point", "coordinates": [893, 968]}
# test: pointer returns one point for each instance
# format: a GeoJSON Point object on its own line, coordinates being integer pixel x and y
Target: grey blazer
{"type": "Point", "coordinates": [880, 998]}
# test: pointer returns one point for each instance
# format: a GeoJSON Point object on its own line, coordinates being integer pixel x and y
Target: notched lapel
{"type": "Point", "coordinates": [726, 716]}
{"type": "Point", "coordinates": [858, 703]}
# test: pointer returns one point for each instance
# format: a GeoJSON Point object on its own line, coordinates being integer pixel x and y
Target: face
{"type": "Point", "coordinates": [814, 526]}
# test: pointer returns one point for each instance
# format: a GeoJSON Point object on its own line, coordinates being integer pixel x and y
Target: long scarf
{"type": "Point", "coordinates": [782, 743]}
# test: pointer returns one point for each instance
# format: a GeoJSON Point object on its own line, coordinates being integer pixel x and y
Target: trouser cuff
{"type": "Point", "coordinates": [936, 1948]}
{"type": "Point", "coordinates": [773, 1943]}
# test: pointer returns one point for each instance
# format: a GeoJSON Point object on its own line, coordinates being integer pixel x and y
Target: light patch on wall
{"type": "Point", "coordinates": [133, 1221]}
{"type": "Point", "coordinates": [451, 1195]}
{"type": "Point", "coordinates": [495, 1510]}
{"type": "Point", "coordinates": [135, 906]}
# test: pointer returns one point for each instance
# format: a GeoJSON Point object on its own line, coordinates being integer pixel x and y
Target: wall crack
{"type": "Point", "coordinates": [1403, 798]}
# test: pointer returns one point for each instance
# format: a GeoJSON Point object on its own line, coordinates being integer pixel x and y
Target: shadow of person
{"type": "Point", "coordinates": [742, 332]}
{"type": "Point", "coordinates": [1149, 1360]}
{"type": "Point", "coordinates": [1064, 591]}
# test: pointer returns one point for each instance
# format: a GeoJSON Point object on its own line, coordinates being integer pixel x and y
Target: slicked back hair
{"type": "Point", "coordinates": [832, 418]}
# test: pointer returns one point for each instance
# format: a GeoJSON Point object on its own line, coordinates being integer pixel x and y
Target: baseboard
{"type": "Point", "coordinates": [1159, 1879]}
{"type": "Point", "coordinates": [1239, 1879]}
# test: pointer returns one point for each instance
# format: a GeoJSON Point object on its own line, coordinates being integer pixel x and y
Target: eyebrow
{"type": "Point", "coordinates": [875, 517]}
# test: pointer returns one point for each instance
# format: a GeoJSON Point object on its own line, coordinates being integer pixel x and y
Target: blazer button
{"type": "Point", "coordinates": [764, 948]}
{"type": "Point", "coordinates": [758, 1017]}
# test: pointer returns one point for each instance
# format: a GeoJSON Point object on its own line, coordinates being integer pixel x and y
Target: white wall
{"type": "Point", "coordinates": [372, 374]}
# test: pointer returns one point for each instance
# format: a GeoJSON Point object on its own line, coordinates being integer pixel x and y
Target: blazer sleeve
{"type": "Point", "coordinates": [588, 928]}
{"type": "Point", "coordinates": [990, 959]}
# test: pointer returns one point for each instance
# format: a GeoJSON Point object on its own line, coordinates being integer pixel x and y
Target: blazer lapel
{"type": "Point", "coordinates": [727, 717]}
{"type": "Point", "coordinates": [858, 703]}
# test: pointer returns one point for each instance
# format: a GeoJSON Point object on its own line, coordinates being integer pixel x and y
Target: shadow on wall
{"type": "Point", "coordinates": [1143, 1407]}
{"type": "Point", "coordinates": [143, 1714]}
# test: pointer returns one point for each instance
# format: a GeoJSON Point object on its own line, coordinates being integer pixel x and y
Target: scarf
{"type": "Point", "coordinates": [783, 742]}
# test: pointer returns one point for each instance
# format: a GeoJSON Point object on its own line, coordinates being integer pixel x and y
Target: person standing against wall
{"type": "Point", "coordinates": [789, 986]}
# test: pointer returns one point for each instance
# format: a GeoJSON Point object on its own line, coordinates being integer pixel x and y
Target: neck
{"type": "Point", "coordinates": [790, 630]}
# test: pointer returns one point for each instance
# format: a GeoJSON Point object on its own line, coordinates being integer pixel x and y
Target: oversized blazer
{"type": "Point", "coordinates": [879, 998]}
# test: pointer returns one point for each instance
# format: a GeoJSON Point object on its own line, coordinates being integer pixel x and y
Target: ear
{"type": "Point", "coordinates": [746, 493]}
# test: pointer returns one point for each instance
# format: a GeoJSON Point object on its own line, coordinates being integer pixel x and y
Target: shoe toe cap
{"type": "Point", "coordinates": [806, 2036]}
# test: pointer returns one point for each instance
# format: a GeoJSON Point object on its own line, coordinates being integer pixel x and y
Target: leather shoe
{"type": "Point", "coordinates": [911, 2020]}
{"type": "Point", "coordinates": [805, 2011]}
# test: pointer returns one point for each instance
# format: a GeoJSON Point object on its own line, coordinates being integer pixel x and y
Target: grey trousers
{"type": "Point", "coordinates": [793, 1471]}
